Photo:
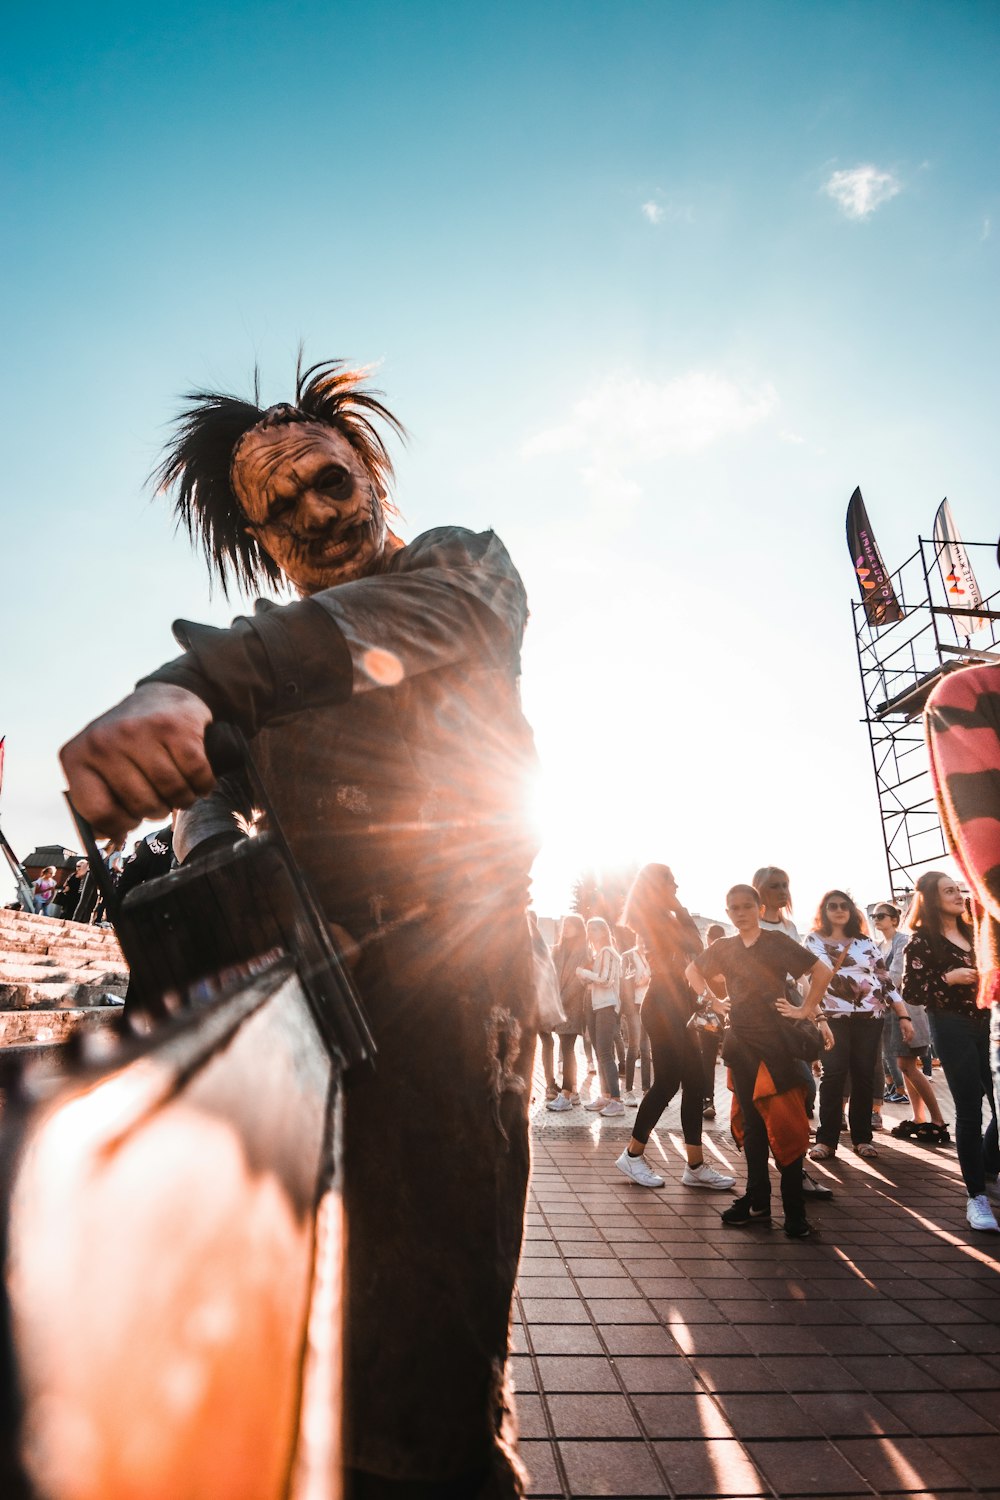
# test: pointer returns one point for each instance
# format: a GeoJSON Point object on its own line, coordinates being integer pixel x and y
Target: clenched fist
{"type": "Point", "coordinates": [140, 759]}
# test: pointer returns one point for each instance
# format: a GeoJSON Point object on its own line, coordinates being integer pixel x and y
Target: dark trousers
{"type": "Point", "coordinates": [638, 1047]}
{"type": "Point", "coordinates": [676, 1065]}
{"type": "Point", "coordinates": [756, 1147]}
{"type": "Point", "coordinates": [425, 1396]}
{"type": "Point", "coordinates": [850, 1065]}
{"type": "Point", "coordinates": [603, 1035]}
{"type": "Point", "coordinates": [963, 1045]}
{"type": "Point", "coordinates": [567, 1061]}
{"type": "Point", "coordinates": [708, 1044]}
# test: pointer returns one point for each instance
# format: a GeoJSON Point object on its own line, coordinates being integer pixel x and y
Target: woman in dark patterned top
{"type": "Point", "coordinates": [940, 972]}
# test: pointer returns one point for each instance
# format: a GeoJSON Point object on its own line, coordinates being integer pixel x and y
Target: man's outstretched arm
{"type": "Point", "coordinates": [461, 598]}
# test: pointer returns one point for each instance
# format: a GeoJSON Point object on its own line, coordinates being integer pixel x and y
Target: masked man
{"type": "Point", "coordinates": [384, 715]}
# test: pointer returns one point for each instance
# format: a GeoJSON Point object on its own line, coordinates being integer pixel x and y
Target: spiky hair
{"type": "Point", "coordinates": [197, 461]}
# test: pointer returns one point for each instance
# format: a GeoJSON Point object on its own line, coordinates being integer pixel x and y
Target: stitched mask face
{"type": "Point", "coordinates": [310, 503]}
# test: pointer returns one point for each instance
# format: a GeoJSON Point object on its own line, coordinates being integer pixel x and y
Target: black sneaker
{"type": "Point", "coordinates": [798, 1228]}
{"type": "Point", "coordinates": [814, 1189]}
{"type": "Point", "coordinates": [743, 1212]}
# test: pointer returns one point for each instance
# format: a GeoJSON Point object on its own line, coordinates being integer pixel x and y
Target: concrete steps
{"type": "Point", "coordinates": [47, 963]}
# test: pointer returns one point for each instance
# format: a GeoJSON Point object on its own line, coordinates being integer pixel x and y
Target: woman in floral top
{"type": "Point", "coordinates": [939, 971]}
{"type": "Point", "coordinates": [854, 1005]}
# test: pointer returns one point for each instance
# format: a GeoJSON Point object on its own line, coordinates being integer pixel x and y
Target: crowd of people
{"type": "Point", "coordinates": [825, 1027]}
{"type": "Point", "coordinates": [77, 898]}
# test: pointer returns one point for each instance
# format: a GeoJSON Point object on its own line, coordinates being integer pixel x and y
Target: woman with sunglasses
{"type": "Point", "coordinates": [891, 944]}
{"type": "Point", "coordinates": [927, 1124]}
{"type": "Point", "coordinates": [854, 1005]}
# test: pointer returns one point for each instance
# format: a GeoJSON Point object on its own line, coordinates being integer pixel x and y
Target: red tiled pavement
{"type": "Point", "coordinates": [661, 1354]}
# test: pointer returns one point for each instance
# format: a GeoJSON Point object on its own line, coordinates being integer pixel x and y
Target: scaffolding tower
{"type": "Point", "coordinates": [900, 664]}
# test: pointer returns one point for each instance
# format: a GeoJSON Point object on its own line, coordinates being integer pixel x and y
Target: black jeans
{"type": "Point", "coordinates": [676, 1065]}
{"type": "Point", "coordinates": [756, 1147]}
{"type": "Point", "coordinates": [708, 1045]}
{"type": "Point", "coordinates": [963, 1045]}
{"type": "Point", "coordinates": [850, 1064]}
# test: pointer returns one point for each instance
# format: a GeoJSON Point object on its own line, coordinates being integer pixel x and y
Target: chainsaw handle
{"type": "Point", "coordinates": [226, 750]}
{"type": "Point", "coordinates": [225, 747]}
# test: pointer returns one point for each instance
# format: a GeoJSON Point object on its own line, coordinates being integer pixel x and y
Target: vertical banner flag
{"type": "Point", "coordinates": [877, 593]}
{"type": "Point", "coordinates": [956, 571]}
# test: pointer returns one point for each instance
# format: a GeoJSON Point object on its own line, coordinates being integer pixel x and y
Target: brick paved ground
{"type": "Point", "coordinates": [658, 1353]}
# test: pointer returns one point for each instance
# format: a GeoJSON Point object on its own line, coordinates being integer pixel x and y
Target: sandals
{"type": "Point", "coordinates": [866, 1150]}
{"type": "Point", "coordinates": [929, 1134]}
{"type": "Point", "coordinates": [819, 1152]}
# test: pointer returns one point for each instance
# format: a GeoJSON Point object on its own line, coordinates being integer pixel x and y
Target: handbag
{"type": "Point", "coordinates": [705, 1019]}
{"type": "Point", "coordinates": [803, 1038]}
{"type": "Point", "coordinates": [921, 1026]}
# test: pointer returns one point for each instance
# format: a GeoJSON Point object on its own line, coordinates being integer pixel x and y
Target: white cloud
{"type": "Point", "coordinates": [626, 419]}
{"type": "Point", "coordinates": [674, 213]}
{"type": "Point", "coordinates": [986, 231]}
{"type": "Point", "coordinates": [861, 190]}
{"type": "Point", "coordinates": [625, 422]}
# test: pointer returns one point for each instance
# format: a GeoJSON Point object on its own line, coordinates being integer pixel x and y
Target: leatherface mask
{"type": "Point", "coordinates": [310, 504]}
{"type": "Point", "coordinates": [296, 493]}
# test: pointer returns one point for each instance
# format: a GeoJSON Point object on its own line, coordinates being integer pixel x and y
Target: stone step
{"type": "Point", "coordinates": [22, 1028]}
{"type": "Point", "coordinates": [47, 968]}
{"type": "Point", "coordinates": [63, 945]}
{"type": "Point", "coordinates": [42, 934]}
{"type": "Point", "coordinates": [59, 996]}
{"type": "Point", "coordinates": [48, 964]}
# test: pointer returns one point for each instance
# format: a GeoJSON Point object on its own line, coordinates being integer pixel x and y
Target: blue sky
{"type": "Point", "coordinates": [653, 285]}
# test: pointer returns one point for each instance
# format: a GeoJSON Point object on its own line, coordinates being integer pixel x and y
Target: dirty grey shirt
{"type": "Point", "coordinates": [403, 777]}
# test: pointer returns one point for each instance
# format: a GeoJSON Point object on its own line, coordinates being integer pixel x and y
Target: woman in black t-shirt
{"type": "Point", "coordinates": [754, 965]}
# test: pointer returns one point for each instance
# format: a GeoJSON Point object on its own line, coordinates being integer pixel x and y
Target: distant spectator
{"type": "Point", "coordinates": [44, 888]}
{"type": "Point", "coordinates": [69, 893]}
{"type": "Point", "coordinates": [152, 856]}
{"type": "Point", "coordinates": [939, 971]}
{"type": "Point", "coordinates": [570, 952]}
{"type": "Point", "coordinates": [603, 976]}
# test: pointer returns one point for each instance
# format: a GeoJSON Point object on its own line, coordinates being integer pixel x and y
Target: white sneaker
{"type": "Point", "coordinates": [630, 1099]}
{"type": "Point", "coordinates": [600, 1102]}
{"type": "Point", "coordinates": [637, 1170]}
{"type": "Point", "coordinates": [613, 1107]}
{"type": "Point", "coordinates": [574, 1098]}
{"type": "Point", "coordinates": [560, 1103]}
{"type": "Point", "coordinates": [980, 1215]}
{"type": "Point", "coordinates": [705, 1176]}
